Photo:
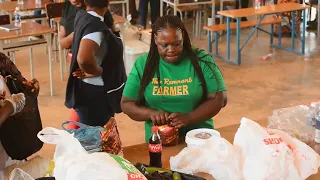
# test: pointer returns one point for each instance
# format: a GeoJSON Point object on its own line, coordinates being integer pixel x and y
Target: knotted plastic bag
{"type": "Point", "coordinates": [73, 162]}
{"type": "Point", "coordinates": [270, 154]}
{"type": "Point", "coordinates": [217, 158]}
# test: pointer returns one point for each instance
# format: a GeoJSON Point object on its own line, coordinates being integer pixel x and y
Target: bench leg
{"type": "Point", "coordinates": [209, 42]}
{"type": "Point", "coordinates": [216, 38]}
{"type": "Point", "coordinates": [238, 42]}
{"type": "Point", "coordinates": [303, 42]}
{"type": "Point", "coordinates": [293, 14]}
{"type": "Point", "coordinates": [228, 37]}
{"type": "Point", "coordinates": [279, 34]}
{"type": "Point", "coordinates": [271, 34]}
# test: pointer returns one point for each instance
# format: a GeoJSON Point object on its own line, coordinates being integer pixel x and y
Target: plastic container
{"type": "Point", "coordinates": [199, 137]}
{"type": "Point", "coordinates": [17, 17]}
{"type": "Point", "coordinates": [257, 4]}
{"type": "Point", "coordinates": [133, 49]}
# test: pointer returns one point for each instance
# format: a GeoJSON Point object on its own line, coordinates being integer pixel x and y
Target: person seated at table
{"type": "Point", "coordinates": [97, 73]}
{"type": "Point", "coordinates": [286, 30]}
{"type": "Point", "coordinates": [70, 10]}
{"type": "Point", "coordinates": [175, 83]}
{"type": "Point", "coordinates": [313, 25]}
{"type": "Point", "coordinates": [244, 4]}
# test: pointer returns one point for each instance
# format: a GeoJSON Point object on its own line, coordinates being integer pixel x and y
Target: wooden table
{"type": "Point", "coordinates": [139, 153]}
{"type": "Point", "coordinates": [9, 7]}
{"type": "Point", "coordinates": [28, 5]}
{"type": "Point", "coordinates": [28, 29]}
{"type": "Point", "coordinates": [262, 13]}
{"type": "Point", "coordinates": [124, 4]}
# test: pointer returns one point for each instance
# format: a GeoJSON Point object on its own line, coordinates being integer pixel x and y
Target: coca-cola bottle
{"type": "Point", "coordinates": [155, 148]}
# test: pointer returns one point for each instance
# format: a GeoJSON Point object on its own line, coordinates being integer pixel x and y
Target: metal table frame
{"type": "Point", "coordinates": [125, 5]}
{"type": "Point", "coordinates": [278, 45]}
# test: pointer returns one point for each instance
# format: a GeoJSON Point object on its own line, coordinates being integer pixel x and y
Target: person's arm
{"type": "Point", "coordinates": [207, 110]}
{"type": "Point", "coordinates": [86, 54]}
{"type": "Point", "coordinates": [216, 99]}
{"type": "Point", "coordinates": [5, 111]}
{"type": "Point", "coordinates": [135, 112]}
{"type": "Point", "coordinates": [64, 40]}
{"type": "Point", "coordinates": [130, 94]}
{"type": "Point", "coordinates": [14, 104]}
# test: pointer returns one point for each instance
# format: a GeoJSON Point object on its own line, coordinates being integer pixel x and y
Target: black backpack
{"type": "Point", "coordinates": [18, 134]}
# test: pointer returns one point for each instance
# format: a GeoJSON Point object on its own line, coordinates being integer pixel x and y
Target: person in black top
{"type": "Point", "coordinates": [97, 73]}
{"type": "Point", "coordinates": [70, 9]}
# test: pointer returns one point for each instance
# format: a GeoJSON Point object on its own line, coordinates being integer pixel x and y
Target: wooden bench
{"type": "Point", "coordinates": [187, 8]}
{"type": "Point", "coordinates": [243, 24]}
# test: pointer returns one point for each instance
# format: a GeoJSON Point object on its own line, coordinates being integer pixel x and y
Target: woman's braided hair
{"type": "Point", "coordinates": [153, 59]}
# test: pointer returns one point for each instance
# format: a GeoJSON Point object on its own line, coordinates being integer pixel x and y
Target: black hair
{"type": "Point", "coordinates": [153, 59]}
{"type": "Point", "coordinates": [97, 3]}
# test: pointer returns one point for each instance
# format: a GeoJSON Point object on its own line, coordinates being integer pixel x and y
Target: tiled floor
{"type": "Point", "coordinates": [254, 89]}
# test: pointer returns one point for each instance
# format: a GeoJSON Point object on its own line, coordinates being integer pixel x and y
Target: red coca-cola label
{"type": "Point", "coordinates": [155, 148]}
{"type": "Point", "coordinates": [136, 176]}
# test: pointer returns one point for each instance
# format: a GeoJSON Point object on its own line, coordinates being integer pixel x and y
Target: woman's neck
{"type": "Point", "coordinates": [97, 10]}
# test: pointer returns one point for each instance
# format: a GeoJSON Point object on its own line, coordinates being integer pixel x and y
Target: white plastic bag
{"type": "Point", "coordinates": [19, 174]}
{"type": "Point", "coordinates": [273, 154]}
{"type": "Point", "coordinates": [296, 121]}
{"type": "Point", "coordinates": [218, 158]}
{"type": "Point", "coordinates": [72, 162]}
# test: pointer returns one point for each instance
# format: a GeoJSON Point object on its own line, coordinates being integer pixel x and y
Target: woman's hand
{"type": "Point", "coordinates": [81, 74]}
{"type": "Point", "coordinates": [17, 101]}
{"type": "Point", "coordinates": [3, 95]}
{"type": "Point", "coordinates": [159, 118]}
{"type": "Point", "coordinates": [32, 86]}
{"type": "Point", "coordinates": [179, 120]}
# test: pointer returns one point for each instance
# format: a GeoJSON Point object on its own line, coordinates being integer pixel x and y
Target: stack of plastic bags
{"type": "Point", "coordinates": [257, 153]}
{"type": "Point", "coordinates": [73, 162]}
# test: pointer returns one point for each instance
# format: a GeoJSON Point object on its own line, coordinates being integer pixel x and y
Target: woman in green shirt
{"type": "Point", "coordinates": [174, 83]}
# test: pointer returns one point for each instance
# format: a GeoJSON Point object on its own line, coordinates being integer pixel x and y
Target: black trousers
{"type": "Point", "coordinates": [93, 108]}
{"type": "Point", "coordinates": [244, 4]}
{"type": "Point", "coordinates": [143, 9]}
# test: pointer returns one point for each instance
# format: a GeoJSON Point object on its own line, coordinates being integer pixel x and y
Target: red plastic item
{"type": "Point", "coordinates": [70, 57]}
{"type": "Point", "coordinates": [73, 117]}
{"type": "Point", "coordinates": [73, 114]}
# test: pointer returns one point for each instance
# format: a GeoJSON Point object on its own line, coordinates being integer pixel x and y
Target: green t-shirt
{"type": "Point", "coordinates": [180, 88]}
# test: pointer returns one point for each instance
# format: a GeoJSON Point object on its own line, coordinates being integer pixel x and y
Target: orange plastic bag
{"type": "Point", "coordinates": [110, 138]}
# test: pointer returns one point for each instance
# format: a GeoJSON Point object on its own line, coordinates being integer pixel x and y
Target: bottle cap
{"type": "Point", "coordinates": [155, 129]}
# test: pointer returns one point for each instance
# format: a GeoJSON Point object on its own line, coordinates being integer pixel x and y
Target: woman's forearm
{"type": "Point", "coordinates": [5, 112]}
{"type": "Point", "coordinates": [93, 69]}
{"type": "Point", "coordinates": [86, 57]}
{"type": "Point", "coordinates": [65, 42]}
{"type": "Point", "coordinates": [135, 112]}
{"type": "Point", "coordinates": [208, 109]}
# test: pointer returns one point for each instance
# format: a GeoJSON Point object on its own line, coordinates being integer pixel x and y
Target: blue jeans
{"type": "Point", "coordinates": [37, 13]}
{"type": "Point", "coordinates": [143, 8]}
